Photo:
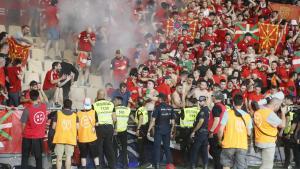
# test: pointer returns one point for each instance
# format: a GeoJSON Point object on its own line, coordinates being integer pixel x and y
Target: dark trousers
{"type": "Point", "coordinates": [35, 147]}
{"type": "Point", "coordinates": [215, 151]}
{"type": "Point", "coordinates": [185, 143]}
{"type": "Point", "coordinates": [120, 143]}
{"type": "Point", "coordinates": [141, 142]}
{"type": "Point", "coordinates": [287, 145]}
{"type": "Point", "coordinates": [14, 99]}
{"type": "Point", "coordinates": [66, 90]}
{"type": "Point", "coordinates": [105, 143]}
{"type": "Point", "coordinates": [200, 145]}
{"type": "Point", "coordinates": [165, 138]}
{"type": "Point", "coordinates": [296, 151]}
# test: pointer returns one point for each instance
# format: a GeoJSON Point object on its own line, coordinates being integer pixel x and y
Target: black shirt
{"type": "Point", "coordinates": [67, 68]}
{"type": "Point", "coordinates": [203, 114]}
{"type": "Point", "coordinates": [216, 111]}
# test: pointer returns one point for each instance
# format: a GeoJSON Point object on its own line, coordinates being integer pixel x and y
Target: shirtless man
{"type": "Point", "coordinates": [150, 95]}
{"type": "Point", "coordinates": [178, 100]}
{"type": "Point", "coordinates": [201, 90]}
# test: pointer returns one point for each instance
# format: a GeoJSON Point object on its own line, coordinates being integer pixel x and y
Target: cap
{"type": "Point", "coordinates": [202, 98]}
{"type": "Point", "coordinates": [33, 83]}
{"type": "Point", "coordinates": [218, 95]}
{"type": "Point", "coordinates": [167, 77]}
{"type": "Point", "coordinates": [294, 22]}
{"type": "Point", "coordinates": [87, 103]}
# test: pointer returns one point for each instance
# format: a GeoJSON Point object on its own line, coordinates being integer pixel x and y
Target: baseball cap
{"type": "Point", "coordinates": [202, 98]}
{"type": "Point", "coordinates": [162, 96]}
{"type": "Point", "coordinates": [87, 103]}
{"type": "Point", "coordinates": [218, 95]}
{"type": "Point", "coordinates": [33, 83]}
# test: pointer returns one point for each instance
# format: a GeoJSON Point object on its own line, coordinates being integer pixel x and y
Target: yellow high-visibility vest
{"type": "Point", "coordinates": [141, 111]}
{"type": "Point", "coordinates": [104, 111]}
{"type": "Point", "coordinates": [122, 114]}
{"type": "Point", "coordinates": [190, 115]}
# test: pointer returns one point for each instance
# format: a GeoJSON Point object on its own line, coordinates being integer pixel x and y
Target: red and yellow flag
{"type": "Point", "coordinates": [268, 36]}
{"type": "Point", "coordinates": [17, 51]}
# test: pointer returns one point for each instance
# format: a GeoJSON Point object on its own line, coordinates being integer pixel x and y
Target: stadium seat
{"type": "Point", "coordinates": [95, 81]}
{"type": "Point", "coordinates": [35, 66]}
{"type": "Point", "coordinates": [77, 94]}
{"type": "Point", "coordinates": [68, 54]}
{"type": "Point", "coordinates": [2, 28]}
{"type": "Point", "coordinates": [29, 76]}
{"type": "Point", "coordinates": [47, 65]}
{"type": "Point", "coordinates": [91, 93]}
{"type": "Point", "coordinates": [12, 29]}
{"type": "Point", "coordinates": [62, 45]}
{"type": "Point", "coordinates": [37, 54]}
{"type": "Point", "coordinates": [38, 42]}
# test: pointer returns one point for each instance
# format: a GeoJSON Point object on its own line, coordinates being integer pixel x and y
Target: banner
{"type": "Point", "coordinates": [17, 50]}
{"type": "Point", "coordinates": [242, 29]}
{"type": "Point", "coordinates": [296, 61]}
{"type": "Point", "coordinates": [10, 132]}
{"type": "Point", "coordinates": [268, 36]}
{"type": "Point", "coordinates": [286, 11]}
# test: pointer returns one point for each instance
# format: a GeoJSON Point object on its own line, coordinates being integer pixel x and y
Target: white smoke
{"type": "Point", "coordinates": [116, 15]}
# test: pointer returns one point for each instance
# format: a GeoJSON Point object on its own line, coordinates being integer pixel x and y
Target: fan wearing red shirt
{"type": "Point", "coordinates": [51, 81]}
{"type": "Point", "coordinates": [165, 87]}
{"type": "Point", "coordinates": [52, 28]}
{"type": "Point", "coordinates": [84, 45]}
{"type": "Point", "coordinates": [2, 72]}
{"type": "Point", "coordinates": [119, 65]}
{"type": "Point", "coordinates": [248, 41]}
{"type": "Point", "coordinates": [132, 87]}
{"type": "Point", "coordinates": [218, 76]}
{"type": "Point", "coordinates": [291, 85]}
{"type": "Point", "coordinates": [25, 97]}
{"type": "Point", "coordinates": [14, 75]}
{"type": "Point", "coordinates": [210, 36]}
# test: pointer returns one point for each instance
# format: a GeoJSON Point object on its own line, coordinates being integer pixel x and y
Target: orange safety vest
{"type": "Point", "coordinates": [260, 120]}
{"type": "Point", "coordinates": [235, 133]}
{"type": "Point", "coordinates": [65, 131]}
{"type": "Point", "coordinates": [86, 130]}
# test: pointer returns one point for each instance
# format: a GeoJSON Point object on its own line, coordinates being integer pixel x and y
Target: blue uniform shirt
{"type": "Point", "coordinates": [163, 113]}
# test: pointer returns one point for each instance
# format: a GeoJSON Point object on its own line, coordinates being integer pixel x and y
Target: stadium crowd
{"type": "Point", "coordinates": [191, 80]}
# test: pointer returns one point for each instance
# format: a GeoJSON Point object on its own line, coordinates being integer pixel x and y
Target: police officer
{"type": "Point", "coordinates": [105, 128]}
{"type": "Point", "coordinates": [141, 118]}
{"type": "Point", "coordinates": [187, 118]}
{"type": "Point", "coordinates": [200, 135]}
{"type": "Point", "coordinates": [164, 123]}
{"type": "Point", "coordinates": [122, 114]}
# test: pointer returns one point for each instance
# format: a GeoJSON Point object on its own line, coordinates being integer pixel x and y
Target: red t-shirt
{"type": "Point", "coordinates": [83, 42]}
{"type": "Point", "coordinates": [253, 96]}
{"type": "Point", "coordinates": [164, 88]}
{"type": "Point", "coordinates": [15, 82]}
{"type": "Point", "coordinates": [2, 76]}
{"type": "Point", "coordinates": [51, 17]}
{"type": "Point", "coordinates": [47, 82]}
{"type": "Point", "coordinates": [218, 78]}
{"type": "Point", "coordinates": [116, 64]}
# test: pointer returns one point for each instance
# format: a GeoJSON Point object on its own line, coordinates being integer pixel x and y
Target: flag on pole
{"type": "Point", "coordinates": [242, 29]}
{"type": "Point", "coordinates": [17, 51]}
{"type": "Point", "coordinates": [296, 61]}
{"type": "Point", "coordinates": [268, 36]}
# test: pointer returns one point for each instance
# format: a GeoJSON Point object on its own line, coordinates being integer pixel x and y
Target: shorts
{"type": "Point", "coordinates": [50, 93]}
{"type": "Point", "coordinates": [84, 59]}
{"type": "Point", "coordinates": [60, 149]}
{"type": "Point", "coordinates": [53, 33]}
{"type": "Point", "coordinates": [85, 148]}
{"type": "Point", "coordinates": [234, 157]}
